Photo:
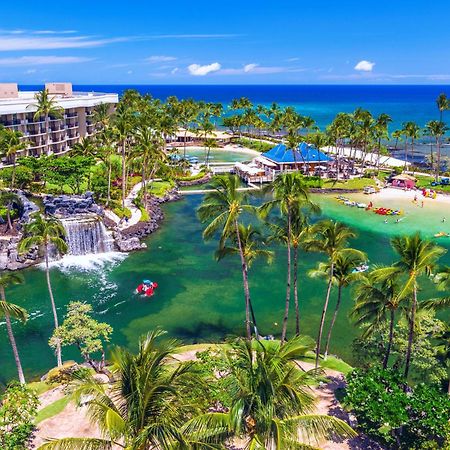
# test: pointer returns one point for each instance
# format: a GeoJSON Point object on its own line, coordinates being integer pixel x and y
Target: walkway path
{"type": "Point", "coordinates": [136, 213]}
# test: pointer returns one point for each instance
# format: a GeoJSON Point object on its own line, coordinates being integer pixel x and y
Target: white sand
{"type": "Point", "coordinates": [400, 194]}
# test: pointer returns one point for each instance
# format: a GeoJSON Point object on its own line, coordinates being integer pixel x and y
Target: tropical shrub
{"type": "Point", "coordinates": [396, 415]}
{"type": "Point", "coordinates": [18, 408]}
{"type": "Point", "coordinates": [23, 176]}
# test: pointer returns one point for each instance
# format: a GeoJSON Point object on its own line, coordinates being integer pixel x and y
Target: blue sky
{"type": "Point", "coordinates": [229, 42]}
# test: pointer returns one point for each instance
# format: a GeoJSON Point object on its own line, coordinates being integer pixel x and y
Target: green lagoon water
{"type": "Point", "coordinates": [198, 299]}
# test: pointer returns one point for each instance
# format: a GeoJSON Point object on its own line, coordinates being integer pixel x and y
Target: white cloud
{"type": "Point", "coordinates": [364, 66]}
{"type": "Point", "coordinates": [193, 36]}
{"type": "Point", "coordinates": [160, 58]}
{"type": "Point", "coordinates": [174, 71]}
{"type": "Point", "coordinates": [54, 32]}
{"type": "Point", "coordinates": [41, 60]}
{"type": "Point", "coordinates": [293, 59]}
{"type": "Point", "coordinates": [250, 67]}
{"type": "Point", "coordinates": [30, 71]}
{"type": "Point", "coordinates": [199, 71]}
{"type": "Point", "coordinates": [18, 43]}
{"type": "Point", "coordinates": [129, 72]}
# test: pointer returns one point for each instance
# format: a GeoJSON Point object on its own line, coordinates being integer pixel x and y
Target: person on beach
{"type": "Point", "coordinates": [422, 204]}
{"type": "Point", "coordinates": [443, 220]}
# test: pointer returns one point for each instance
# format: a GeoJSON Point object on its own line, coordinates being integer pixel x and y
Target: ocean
{"type": "Point", "coordinates": [403, 103]}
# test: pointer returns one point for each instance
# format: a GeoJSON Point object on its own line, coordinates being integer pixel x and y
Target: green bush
{"type": "Point", "coordinates": [192, 177]}
{"type": "Point", "coordinates": [390, 411]}
{"type": "Point", "coordinates": [17, 412]}
{"type": "Point", "coordinates": [23, 177]}
{"type": "Point", "coordinates": [122, 212]}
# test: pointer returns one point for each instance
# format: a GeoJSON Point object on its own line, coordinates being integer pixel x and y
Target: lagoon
{"type": "Point", "coordinates": [198, 299]}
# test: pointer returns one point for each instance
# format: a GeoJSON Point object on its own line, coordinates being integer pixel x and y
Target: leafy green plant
{"type": "Point", "coordinates": [18, 408]}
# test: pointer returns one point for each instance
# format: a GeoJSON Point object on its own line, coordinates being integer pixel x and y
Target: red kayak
{"type": "Point", "coordinates": [147, 290]}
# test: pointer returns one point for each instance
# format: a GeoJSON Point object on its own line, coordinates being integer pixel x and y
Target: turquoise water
{"type": "Point", "coordinates": [198, 299]}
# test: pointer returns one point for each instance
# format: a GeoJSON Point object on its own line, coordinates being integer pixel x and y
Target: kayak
{"type": "Point", "coordinates": [147, 289]}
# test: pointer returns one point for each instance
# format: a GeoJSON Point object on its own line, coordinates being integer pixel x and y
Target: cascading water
{"type": "Point", "coordinates": [86, 234]}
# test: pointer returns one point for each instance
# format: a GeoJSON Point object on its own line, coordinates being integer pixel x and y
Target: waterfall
{"type": "Point", "coordinates": [86, 234]}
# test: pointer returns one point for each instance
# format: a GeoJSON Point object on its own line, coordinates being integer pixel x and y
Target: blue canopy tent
{"type": "Point", "coordinates": [305, 157]}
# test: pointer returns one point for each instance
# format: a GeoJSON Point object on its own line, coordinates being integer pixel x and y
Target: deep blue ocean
{"type": "Point", "coordinates": [321, 102]}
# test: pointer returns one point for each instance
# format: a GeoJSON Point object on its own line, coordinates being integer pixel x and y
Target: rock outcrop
{"type": "Point", "coordinates": [10, 259]}
{"type": "Point", "coordinates": [69, 205]}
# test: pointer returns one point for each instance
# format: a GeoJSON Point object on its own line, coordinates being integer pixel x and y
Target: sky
{"type": "Point", "coordinates": [227, 42]}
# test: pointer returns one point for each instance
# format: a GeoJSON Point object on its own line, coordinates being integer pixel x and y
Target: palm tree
{"type": "Point", "coordinates": [412, 131]}
{"type": "Point", "coordinates": [272, 403]}
{"type": "Point", "coordinates": [418, 257]}
{"type": "Point", "coordinates": [122, 127]}
{"type": "Point", "coordinates": [381, 132]}
{"type": "Point", "coordinates": [443, 104]}
{"type": "Point", "coordinates": [102, 116]}
{"type": "Point", "coordinates": [251, 243]}
{"type": "Point", "coordinates": [436, 129]}
{"type": "Point", "coordinates": [46, 106]}
{"type": "Point", "coordinates": [330, 238]}
{"type": "Point", "coordinates": [377, 301]}
{"type": "Point", "coordinates": [149, 148]}
{"type": "Point", "coordinates": [209, 144]}
{"type": "Point", "coordinates": [289, 193]}
{"type": "Point", "coordinates": [222, 209]}
{"type": "Point", "coordinates": [344, 274]}
{"type": "Point", "coordinates": [9, 199]}
{"type": "Point", "coordinates": [11, 143]}
{"type": "Point", "coordinates": [397, 135]}
{"type": "Point", "coordinates": [43, 233]}
{"type": "Point", "coordinates": [106, 139]}
{"type": "Point", "coordinates": [9, 310]}
{"type": "Point", "coordinates": [145, 406]}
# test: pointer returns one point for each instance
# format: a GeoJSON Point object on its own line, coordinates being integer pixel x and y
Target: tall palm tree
{"type": "Point", "coordinates": [123, 124]}
{"type": "Point", "coordinates": [330, 238]}
{"type": "Point", "coordinates": [411, 131]}
{"type": "Point", "coordinates": [105, 140]}
{"type": "Point", "coordinates": [149, 147]}
{"type": "Point", "coordinates": [43, 233]}
{"type": "Point", "coordinates": [46, 106]}
{"type": "Point", "coordinates": [145, 406]}
{"type": "Point", "coordinates": [102, 116]}
{"type": "Point", "coordinates": [344, 275]}
{"type": "Point", "coordinates": [9, 199]}
{"type": "Point", "coordinates": [436, 129]}
{"type": "Point", "coordinates": [11, 143]}
{"type": "Point", "coordinates": [209, 144]}
{"type": "Point", "coordinates": [251, 243]}
{"type": "Point", "coordinates": [381, 132]}
{"type": "Point", "coordinates": [9, 310]}
{"type": "Point", "coordinates": [272, 404]}
{"type": "Point", "coordinates": [222, 208]}
{"type": "Point", "coordinates": [443, 104]}
{"type": "Point", "coordinates": [417, 257]}
{"type": "Point", "coordinates": [377, 301]}
{"type": "Point", "coordinates": [289, 193]}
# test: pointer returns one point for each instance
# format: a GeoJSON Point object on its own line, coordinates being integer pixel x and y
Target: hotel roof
{"type": "Point", "coordinates": [25, 102]}
{"type": "Point", "coordinates": [304, 154]}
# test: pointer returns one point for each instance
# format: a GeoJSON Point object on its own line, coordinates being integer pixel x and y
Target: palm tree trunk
{"type": "Point", "coordinates": [288, 281]}
{"type": "Point", "coordinates": [324, 312]}
{"type": "Point", "coordinates": [13, 175]}
{"type": "Point", "coordinates": [8, 216]}
{"type": "Point", "coordinates": [47, 133]}
{"type": "Point", "coordinates": [333, 320]}
{"type": "Point", "coordinates": [391, 338]}
{"type": "Point", "coordinates": [297, 310]}
{"type": "Point", "coordinates": [108, 196]}
{"type": "Point", "coordinates": [52, 300]}
{"type": "Point", "coordinates": [184, 143]}
{"type": "Point", "coordinates": [412, 319]}
{"type": "Point", "coordinates": [12, 340]}
{"type": "Point", "coordinates": [438, 159]}
{"type": "Point", "coordinates": [124, 173]}
{"type": "Point", "coordinates": [245, 281]}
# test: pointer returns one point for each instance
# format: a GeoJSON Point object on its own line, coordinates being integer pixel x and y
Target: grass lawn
{"type": "Point", "coordinates": [355, 183]}
{"type": "Point", "coordinates": [160, 188]}
{"type": "Point", "coordinates": [40, 386]}
{"type": "Point", "coordinates": [52, 410]}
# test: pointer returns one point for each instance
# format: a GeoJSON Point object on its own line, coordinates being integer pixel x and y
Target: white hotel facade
{"type": "Point", "coordinates": [17, 109]}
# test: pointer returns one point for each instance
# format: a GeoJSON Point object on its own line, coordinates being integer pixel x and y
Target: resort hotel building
{"type": "Point", "coordinates": [18, 108]}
